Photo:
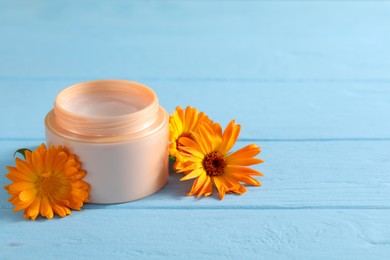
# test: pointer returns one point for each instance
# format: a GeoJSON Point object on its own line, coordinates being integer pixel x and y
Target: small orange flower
{"type": "Point", "coordinates": [209, 161]}
{"type": "Point", "coordinates": [48, 182]}
{"type": "Point", "coordinates": [183, 124]}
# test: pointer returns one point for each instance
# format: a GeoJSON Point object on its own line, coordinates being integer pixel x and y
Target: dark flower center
{"type": "Point", "coordinates": [214, 163]}
{"type": "Point", "coordinates": [47, 184]}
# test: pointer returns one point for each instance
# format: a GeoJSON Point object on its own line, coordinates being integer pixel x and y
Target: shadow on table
{"type": "Point", "coordinates": [174, 190]}
{"type": "Point", "coordinates": [172, 194]}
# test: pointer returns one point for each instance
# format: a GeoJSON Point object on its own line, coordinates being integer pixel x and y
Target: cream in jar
{"type": "Point", "coordinates": [119, 133]}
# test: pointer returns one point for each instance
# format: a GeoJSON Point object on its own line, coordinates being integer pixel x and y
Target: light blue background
{"type": "Point", "coordinates": [308, 80]}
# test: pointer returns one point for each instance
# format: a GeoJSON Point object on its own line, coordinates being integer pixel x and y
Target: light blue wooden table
{"type": "Point", "coordinates": [308, 80]}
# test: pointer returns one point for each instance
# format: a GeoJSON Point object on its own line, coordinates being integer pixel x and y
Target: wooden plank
{"type": "Point", "coordinates": [298, 175]}
{"type": "Point", "coordinates": [201, 234]}
{"type": "Point", "coordinates": [265, 110]}
{"type": "Point", "coordinates": [282, 40]}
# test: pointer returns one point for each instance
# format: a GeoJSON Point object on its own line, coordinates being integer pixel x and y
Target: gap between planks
{"type": "Point", "coordinates": [127, 206]}
{"type": "Point", "coordinates": [205, 79]}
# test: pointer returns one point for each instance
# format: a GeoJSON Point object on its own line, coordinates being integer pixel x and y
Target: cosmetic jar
{"type": "Point", "coordinates": [118, 132]}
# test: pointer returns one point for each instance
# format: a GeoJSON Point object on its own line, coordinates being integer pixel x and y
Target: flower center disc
{"type": "Point", "coordinates": [214, 163]}
{"type": "Point", "coordinates": [48, 184]}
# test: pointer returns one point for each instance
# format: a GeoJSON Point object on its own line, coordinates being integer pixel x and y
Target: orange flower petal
{"type": "Point", "coordinates": [28, 155]}
{"type": "Point", "coordinates": [209, 190]}
{"type": "Point", "coordinates": [190, 148]}
{"type": "Point", "coordinates": [229, 137]}
{"type": "Point", "coordinates": [46, 209]}
{"type": "Point", "coordinates": [16, 176]}
{"type": "Point", "coordinates": [206, 138]}
{"type": "Point", "coordinates": [33, 210]}
{"type": "Point", "coordinates": [78, 175]}
{"type": "Point", "coordinates": [244, 161]}
{"type": "Point", "coordinates": [246, 179]}
{"type": "Point", "coordinates": [49, 159]}
{"type": "Point", "coordinates": [59, 161]}
{"type": "Point", "coordinates": [60, 211]}
{"type": "Point", "coordinates": [219, 184]}
{"type": "Point", "coordinates": [37, 162]}
{"type": "Point", "coordinates": [20, 186]}
{"type": "Point", "coordinates": [194, 174]}
{"type": "Point", "coordinates": [28, 195]}
{"type": "Point", "coordinates": [23, 167]}
{"type": "Point", "coordinates": [191, 117]}
{"type": "Point", "coordinates": [242, 170]}
{"type": "Point", "coordinates": [198, 183]}
{"type": "Point", "coordinates": [245, 152]}
{"type": "Point", "coordinates": [206, 183]}
{"type": "Point", "coordinates": [22, 205]}
{"type": "Point", "coordinates": [189, 167]}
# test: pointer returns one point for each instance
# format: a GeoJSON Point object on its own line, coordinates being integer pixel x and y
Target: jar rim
{"type": "Point", "coordinates": [126, 122]}
{"type": "Point", "coordinates": [96, 85]}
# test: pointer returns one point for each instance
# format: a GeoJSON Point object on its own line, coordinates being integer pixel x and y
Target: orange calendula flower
{"type": "Point", "coordinates": [48, 182]}
{"type": "Point", "coordinates": [183, 123]}
{"type": "Point", "coordinates": [209, 161]}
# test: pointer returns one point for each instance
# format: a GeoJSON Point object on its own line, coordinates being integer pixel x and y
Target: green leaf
{"type": "Point", "coordinates": [22, 151]}
{"type": "Point", "coordinates": [172, 158]}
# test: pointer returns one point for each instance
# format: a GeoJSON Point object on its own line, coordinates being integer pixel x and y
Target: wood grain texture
{"type": "Point", "coordinates": [200, 40]}
{"type": "Point", "coordinates": [206, 234]}
{"type": "Point", "coordinates": [308, 81]}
